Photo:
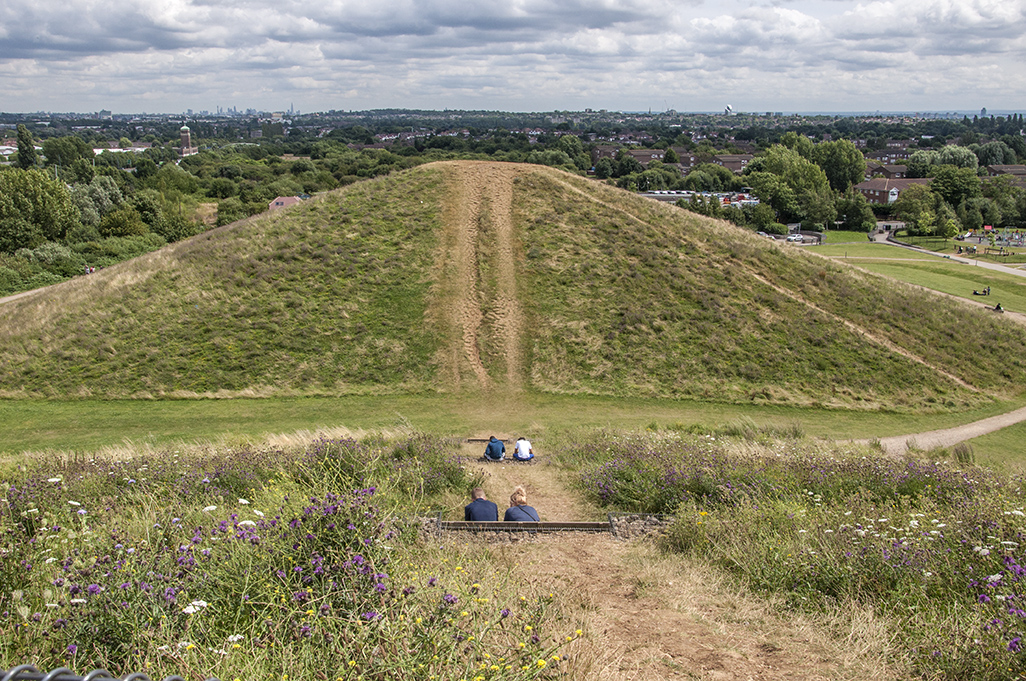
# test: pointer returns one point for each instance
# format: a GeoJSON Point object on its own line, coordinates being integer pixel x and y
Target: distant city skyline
{"type": "Point", "coordinates": [803, 56]}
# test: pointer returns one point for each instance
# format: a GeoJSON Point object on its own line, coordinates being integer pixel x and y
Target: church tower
{"type": "Point", "coordinates": [186, 137]}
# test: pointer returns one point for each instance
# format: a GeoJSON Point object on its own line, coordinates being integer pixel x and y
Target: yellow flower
{"type": "Point", "coordinates": [541, 664]}
{"type": "Point", "coordinates": [702, 513]}
{"type": "Point", "coordinates": [579, 632]}
{"type": "Point", "coordinates": [527, 627]}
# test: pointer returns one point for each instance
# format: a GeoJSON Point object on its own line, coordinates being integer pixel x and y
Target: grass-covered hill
{"type": "Point", "coordinates": [467, 275]}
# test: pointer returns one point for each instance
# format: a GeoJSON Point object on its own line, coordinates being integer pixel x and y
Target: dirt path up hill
{"type": "Point", "coordinates": [647, 616]}
{"type": "Point", "coordinates": [476, 294]}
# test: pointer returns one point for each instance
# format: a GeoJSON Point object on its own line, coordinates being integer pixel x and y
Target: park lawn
{"type": "Point", "coordinates": [842, 237]}
{"type": "Point", "coordinates": [939, 245]}
{"type": "Point", "coordinates": [868, 250]}
{"type": "Point", "coordinates": [1002, 449]}
{"type": "Point", "coordinates": [957, 279]}
{"type": "Point", "coordinates": [90, 425]}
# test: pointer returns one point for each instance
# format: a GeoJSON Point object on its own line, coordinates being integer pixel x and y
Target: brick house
{"type": "Point", "coordinates": [883, 190]}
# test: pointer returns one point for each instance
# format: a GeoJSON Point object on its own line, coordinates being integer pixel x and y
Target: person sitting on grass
{"type": "Point", "coordinates": [495, 450]}
{"type": "Point", "coordinates": [523, 450]}
{"type": "Point", "coordinates": [519, 511]}
{"type": "Point", "coordinates": [480, 509]}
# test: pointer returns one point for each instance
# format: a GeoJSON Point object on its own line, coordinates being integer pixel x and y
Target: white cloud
{"type": "Point", "coordinates": [525, 54]}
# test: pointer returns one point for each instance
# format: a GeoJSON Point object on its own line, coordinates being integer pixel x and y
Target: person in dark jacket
{"type": "Point", "coordinates": [519, 511]}
{"type": "Point", "coordinates": [495, 450]}
{"type": "Point", "coordinates": [480, 509]}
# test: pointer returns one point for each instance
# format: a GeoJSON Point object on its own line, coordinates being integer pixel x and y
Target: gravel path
{"type": "Point", "coordinates": [949, 437]}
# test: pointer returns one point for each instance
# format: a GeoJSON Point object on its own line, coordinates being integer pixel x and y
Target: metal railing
{"type": "Point", "coordinates": [27, 672]}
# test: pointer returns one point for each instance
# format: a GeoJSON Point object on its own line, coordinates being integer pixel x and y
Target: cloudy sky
{"type": "Point", "coordinates": [513, 55]}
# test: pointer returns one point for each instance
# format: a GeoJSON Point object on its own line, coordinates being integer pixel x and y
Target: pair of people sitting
{"type": "Point", "coordinates": [496, 449]}
{"type": "Point", "coordinates": [482, 510]}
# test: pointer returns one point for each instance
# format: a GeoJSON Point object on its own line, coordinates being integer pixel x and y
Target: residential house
{"type": "Point", "coordinates": [735, 163]}
{"type": "Point", "coordinates": [891, 172]}
{"type": "Point", "coordinates": [283, 202]}
{"type": "Point", "coordinates": [1018, 170]}
{"type": "Point", "coordinates": [884, 190]}
{"type": "Point", "coordinates": [888, 156]}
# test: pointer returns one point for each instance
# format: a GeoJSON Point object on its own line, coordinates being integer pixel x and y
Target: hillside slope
{"type": "Point", "coordinates": [466, 276]}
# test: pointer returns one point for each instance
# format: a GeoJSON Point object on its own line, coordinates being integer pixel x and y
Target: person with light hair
{"type": "Point", "coordinates": [519, 511]}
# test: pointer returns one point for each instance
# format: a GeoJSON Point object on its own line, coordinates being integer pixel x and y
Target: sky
{"type": "Point", "coordinates": [167, 56]}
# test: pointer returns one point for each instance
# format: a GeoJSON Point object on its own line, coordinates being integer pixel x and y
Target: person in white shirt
{"type": "Point", "coordinates": [523, 451]}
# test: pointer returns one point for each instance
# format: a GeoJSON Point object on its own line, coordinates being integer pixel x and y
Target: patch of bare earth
{"type": "Point", "coordinates": [646, 615]}
{"type": "Point", "coordinates": [478, 225]}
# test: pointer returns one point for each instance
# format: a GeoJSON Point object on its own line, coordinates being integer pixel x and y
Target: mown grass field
{"type": "Point", "coordinates": [868, 250]}
{"type": "Point", "coordinates": [84, 425]}
{"type": "Point", "coordinates": [937, 274]}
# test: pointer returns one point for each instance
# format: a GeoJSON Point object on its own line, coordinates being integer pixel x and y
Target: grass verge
{"type": "Point", "coordinates": [261, 564]}
{"type": "Point", "coordinates": [90, 425]}
{"type": "Point", "coordinates": [935, 550]}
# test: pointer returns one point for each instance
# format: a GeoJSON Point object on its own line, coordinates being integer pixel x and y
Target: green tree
{"type": "Point", "coordinates": [994, 153]}
{"type": "Point", "coordinates": [671, 156]}
{"type": "Point", "coordinates": [145, 168]}
{"type": "Point", "coordinates": [921, 163]}
{"type": "Point", "coordinates": [63, 151]}
{"type": "Point", "coordinates": [627, 164]}
{"type": "Point", "coordinates": [961, 157]}
{"type": "Point", "coordinates": [222, 188]}
{"type": "Point", "coordinates": [760, 216]}
{"type": "Point", "coordinates": [817, 207]}
{"type": "Point", "coordinates": [800, 143]}
{"type": "Point", "coordinates": [854, 212]}
{"type": "Point", "coordinates": [96, 199]}
{"type": "Point", "coordinates": [955, 184]}
{"type": "Point", "coordinates": [842, 162]}
{"type": "Point", "coordinates": [796, 176]}
{"type": "Point", "coordinates": [125, 221]}
{"type": "Point", "coordinates": [33, 208]}
{"type": "Point", "coordinates": [26, 148]}
{"type": "Point", "coordinates": [916, 208]}
{"type": "Point", "coordinates": [173, 227]}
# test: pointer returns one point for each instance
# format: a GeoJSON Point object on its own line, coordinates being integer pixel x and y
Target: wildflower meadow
{"type": "Point", "coordinates": [261, 564]}
{"type": "Point", "coordinates": [935, 550]}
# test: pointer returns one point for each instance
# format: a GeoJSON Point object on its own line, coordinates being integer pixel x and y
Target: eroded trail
{"type": "Point", "coordinates": [476, 297]}
{"type": "Point", "coordinates": [651, 616]}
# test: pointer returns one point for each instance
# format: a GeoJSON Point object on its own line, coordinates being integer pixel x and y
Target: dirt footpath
{"type": "Point", "coordinates": [950, 437]}
{"type": "Point", "coordinates": [482, 312]}
{"type": "Point", "coordinates": [649, 616]}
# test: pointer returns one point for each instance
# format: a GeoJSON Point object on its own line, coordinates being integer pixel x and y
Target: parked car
{"type": "Point", "coordinates": [795, 238]}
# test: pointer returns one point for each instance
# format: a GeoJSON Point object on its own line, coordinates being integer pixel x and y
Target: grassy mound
{"type": "Point", "coordinates": [326, 298]}
{"type": "Point", "coordinates": [620, 296]}
{"type": "Point", "coordinates": [632, 297]}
